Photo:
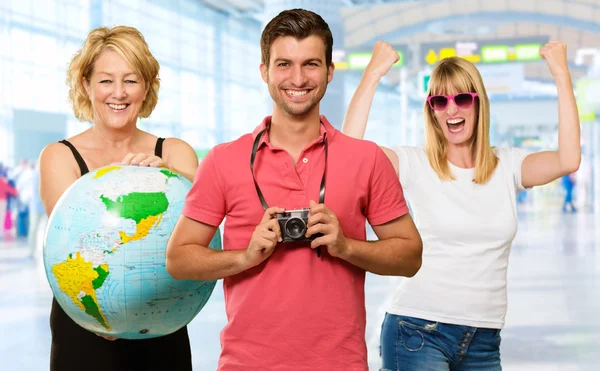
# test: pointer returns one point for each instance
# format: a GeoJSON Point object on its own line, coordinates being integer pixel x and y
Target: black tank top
{"type": "Point", "coordinates": [83, 166]}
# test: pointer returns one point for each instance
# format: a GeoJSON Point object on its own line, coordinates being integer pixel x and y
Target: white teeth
{"type": "Point", "coordinates": [117, 106]}
{"type": "Point", "coordinates": [297, 93]}
{"type": "Point", "coordinates": [455, 121]}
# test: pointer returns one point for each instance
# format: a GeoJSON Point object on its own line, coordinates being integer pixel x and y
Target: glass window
{"type": "Point", "coordinates": [21, 7]}
{"type": "Point", "coordinates": [198, 103]}
{"type": "Point", "coordinates": [4, 82]}
{"type": "Point", "coordinates": [44, 50]}
{"type": "Point", "coordinates": [6, 138]}
{"type": "Point", "coordinates": [77, 19]}
{"type": "Point", "coordinates": [44, 10]}
{"type": "Point", "coordinates": [5, 41]}
{"type": "Point", "coordinates": [169, 79]}
{"type": "Point", "coordinates": [199, 138]}
{"type": "Point", "coordinates": [21, 46]}
{"type": "Point", "coordinates": [167, 110]}
{"type": "Point", "coordinates": [22, 85]}
{"type": "Point", "coordinates": [49, 94]}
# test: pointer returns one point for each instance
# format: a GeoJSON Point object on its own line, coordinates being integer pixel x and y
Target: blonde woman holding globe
{"type": "Point", "coordinates": [113, 81]}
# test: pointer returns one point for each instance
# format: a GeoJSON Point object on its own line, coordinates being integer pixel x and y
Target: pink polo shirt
{"type": "Point", "coordinates": [295, 311]}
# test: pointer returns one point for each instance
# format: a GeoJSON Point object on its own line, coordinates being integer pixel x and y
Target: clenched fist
{"type": "Point", "coordinates": [555, 54]}
{"type": "Point", "coordinates": [383, 58]}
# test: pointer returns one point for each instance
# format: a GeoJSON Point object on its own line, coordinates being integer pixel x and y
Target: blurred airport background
{"type": "Point", "coordinates": [211, 92]}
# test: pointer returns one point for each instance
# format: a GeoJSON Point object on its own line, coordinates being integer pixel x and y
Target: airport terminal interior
{"type": "Point", "coordinates": [212, 92]}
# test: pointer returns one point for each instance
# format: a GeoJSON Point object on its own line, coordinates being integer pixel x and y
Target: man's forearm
{"type": "Point", "coordinates": [195, 262]}
{"type": "Point", "coordinates": [391, 257]}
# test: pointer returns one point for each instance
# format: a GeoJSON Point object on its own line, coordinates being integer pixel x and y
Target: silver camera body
{"type": "Point", "coordinates": [293, 225]}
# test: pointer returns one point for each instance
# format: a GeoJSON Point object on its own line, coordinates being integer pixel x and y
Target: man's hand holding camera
{"type": "Point", "coordinates": [264, 239]}
{"type": "Point", "coordinates": [323, 220]}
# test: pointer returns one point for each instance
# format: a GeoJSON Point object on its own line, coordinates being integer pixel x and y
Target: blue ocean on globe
{"type": "Point", "coordinates": [104, 253]}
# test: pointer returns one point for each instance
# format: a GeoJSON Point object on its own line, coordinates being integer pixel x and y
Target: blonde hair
{"type": "Point", "coordinates": [129, 43]}
{"type": "Point", "coordinates": [459, 75]}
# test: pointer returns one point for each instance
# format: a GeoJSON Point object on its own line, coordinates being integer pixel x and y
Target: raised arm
{"type": "Point", "coordinates": [544, 167]}
{"type": "Point", "coordinates": [355, 122]}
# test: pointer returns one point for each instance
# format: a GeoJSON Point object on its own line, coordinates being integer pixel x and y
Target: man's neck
{"type": "Point", "coordinates": [294, 133]}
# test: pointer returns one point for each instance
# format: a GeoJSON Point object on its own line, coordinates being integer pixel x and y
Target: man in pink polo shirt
{"type": "Point", "coordinates": [295, 305]}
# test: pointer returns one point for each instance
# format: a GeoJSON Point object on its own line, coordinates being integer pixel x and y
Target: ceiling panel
{"type": "Point", "coordinates": [579, 11]}
{"type": "Point", "coordinates": [499, 6]}
{"type": "Point", "coordinates": [523, 5]}
{"type": "Point", "coordinates": [438, 10]}
{"type": "Point", "coordinates": [387, 24]}
{"type": "Point", "coordinates": [556, 7]}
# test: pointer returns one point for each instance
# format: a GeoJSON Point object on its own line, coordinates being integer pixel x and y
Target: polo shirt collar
{"type": "Point", "coordinates": [326, 129]}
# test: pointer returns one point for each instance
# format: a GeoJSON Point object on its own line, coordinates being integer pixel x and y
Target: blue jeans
{"type": "Point", "coordinates": [413, 344]}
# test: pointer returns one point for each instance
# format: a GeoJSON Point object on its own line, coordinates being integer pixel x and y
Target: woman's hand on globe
{"type": "Point", "coordinates": [143, 159]}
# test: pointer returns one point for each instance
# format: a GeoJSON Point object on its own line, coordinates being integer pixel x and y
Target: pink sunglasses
{"type": "Point", "coordinates": [440, 102]}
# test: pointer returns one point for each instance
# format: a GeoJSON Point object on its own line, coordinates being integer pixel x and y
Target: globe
{"type": "Point", "coordinates": [104, 253]}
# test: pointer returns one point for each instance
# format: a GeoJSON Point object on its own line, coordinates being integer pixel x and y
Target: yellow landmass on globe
{"type": "Point", "coordinates": [75, 278]}
{"type": "Point", "coordinates": [142, 228]}
{"type": "Point", "coordinates": [105, 170]}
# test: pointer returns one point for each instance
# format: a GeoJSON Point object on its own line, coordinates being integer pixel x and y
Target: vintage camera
{"type": "Point", "coordinates": [293, 225]}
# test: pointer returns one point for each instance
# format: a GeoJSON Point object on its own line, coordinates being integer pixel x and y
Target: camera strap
{"type": "Point", "coordinates": [253, 156]}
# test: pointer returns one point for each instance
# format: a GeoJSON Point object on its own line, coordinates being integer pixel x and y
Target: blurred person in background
{"type": "Point", "coordinates": [568, 183]}
{"type": "Point", "coordinates": [7, 191]}
{"type": "Point", "coordinates": [113, 81]}
{"type": "Point", "coordinates": [462, 193]}
{"type": "Point", "coordinates": [24, 184]}
{"type": "Point", "coordinates": [9, 210]}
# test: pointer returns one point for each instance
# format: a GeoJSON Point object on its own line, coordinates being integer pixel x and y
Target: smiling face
{"type": "Point", "coordinates": [297, 74]}
{"type": "Point", "coordinates": [115, 91]}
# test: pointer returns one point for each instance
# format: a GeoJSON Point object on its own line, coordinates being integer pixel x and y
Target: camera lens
{"type": "Point", "coordinates": [295, 228]}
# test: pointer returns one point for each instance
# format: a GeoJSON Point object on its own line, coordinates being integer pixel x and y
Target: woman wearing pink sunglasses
{"type": "Point", "coordinates": [462, 194]}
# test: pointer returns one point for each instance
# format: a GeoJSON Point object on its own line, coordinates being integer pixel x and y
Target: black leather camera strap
{"type": "Point", "coordinates": [253, 156]}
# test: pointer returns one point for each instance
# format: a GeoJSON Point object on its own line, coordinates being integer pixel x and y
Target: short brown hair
{"type": "Point", "coordinates": [130, 44]}
{"type": "Point", "coordinates": [298, 23]}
